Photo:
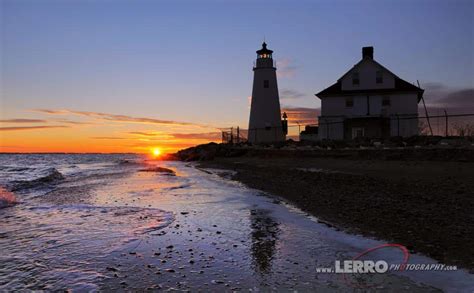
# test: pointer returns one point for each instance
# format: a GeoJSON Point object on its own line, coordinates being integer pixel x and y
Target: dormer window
{"type": "Point", "coordinates": [379, 76]}
{"type": "Point", "coordinates": [355, 78]}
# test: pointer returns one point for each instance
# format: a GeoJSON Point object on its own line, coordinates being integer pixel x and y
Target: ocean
{"type": "Point", "coordinates": [91, 222]}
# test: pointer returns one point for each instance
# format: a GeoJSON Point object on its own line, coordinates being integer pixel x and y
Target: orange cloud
{"type": "Point", "coordinates": [108, 137]}
{"type": "Point", "coordinates": [119, 118]}
{"type": "Point", "coordinates": [21, 120]}
{"type": "Point", "coordinates": [17, 128]}
{"type": "Point", "coordinates": [212, 136]}
{"type": "Point", "coordinates": [142, 133]}
{"type": "Point", "coordinates": [302, 115]}
{"type": "Point", "coordinates": [66, 135]}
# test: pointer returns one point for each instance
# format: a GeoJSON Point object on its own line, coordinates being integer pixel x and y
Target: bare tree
{"type": "Point", "coordinates": [464, 129]}
{"type": "Point", "coordinates": [423, 128]}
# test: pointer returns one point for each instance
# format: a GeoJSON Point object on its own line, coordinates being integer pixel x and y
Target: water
{"type": "Point", "coordinates": [98, 222]}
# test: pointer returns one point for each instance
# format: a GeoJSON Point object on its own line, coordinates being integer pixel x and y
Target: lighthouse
{"type": "Point", "coordinates": [265, 124]}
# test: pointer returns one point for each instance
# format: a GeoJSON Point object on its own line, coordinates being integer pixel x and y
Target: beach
{"type": "Point", "coordinates": [421, 198]}
{"type": "Point", "coordinates": [127, 222]}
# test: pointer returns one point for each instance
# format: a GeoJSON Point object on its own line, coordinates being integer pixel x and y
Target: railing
{"type": "Point", "coordinates": [234, 135]}
{"type": "Point", "coordinates": [441, 125]}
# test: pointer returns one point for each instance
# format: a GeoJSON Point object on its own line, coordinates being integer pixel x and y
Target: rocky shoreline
{"type": "Point", "coordinates": [421, 198]}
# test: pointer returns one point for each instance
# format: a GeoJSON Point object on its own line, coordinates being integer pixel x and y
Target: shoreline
{"type": "Point", "coordinates": [423, 205]}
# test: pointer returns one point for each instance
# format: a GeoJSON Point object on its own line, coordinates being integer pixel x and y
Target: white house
{"type": "Point", "coordinates": [369, 101]}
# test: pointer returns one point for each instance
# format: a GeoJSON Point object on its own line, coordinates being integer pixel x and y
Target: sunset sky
{"type": "Point", "coordinates": [126, 76]}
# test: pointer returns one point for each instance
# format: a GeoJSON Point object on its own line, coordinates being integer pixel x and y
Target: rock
{"type": "Point", "coordinates": [159, 170]}
{"type": "Point", "coordinates": [112, 269]}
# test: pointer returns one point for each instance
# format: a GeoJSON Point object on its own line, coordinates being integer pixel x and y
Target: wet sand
{"type": "Point", "coordinates": [424, 205]}
{"type": "Point", "coordinates": [190, 229]}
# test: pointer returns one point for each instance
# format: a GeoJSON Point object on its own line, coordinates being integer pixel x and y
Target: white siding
{"type": "Point", "coordinates": [367, 72]}
{"type": "Point", "coordinates": [331, 128]}
{"type": "Point", "coordinates": [403, 127]}
{"type": "Point", "coordinates": [401, 104]}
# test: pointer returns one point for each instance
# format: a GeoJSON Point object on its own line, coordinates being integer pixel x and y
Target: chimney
{"type": "Point", "coordinates": [368, 52]}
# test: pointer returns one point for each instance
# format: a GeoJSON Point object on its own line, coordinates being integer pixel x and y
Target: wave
{"type": "Point", "coordinates": [14, 169]}
{"type": "Point", "coordinates": [127, 162]}
{"type": "Point", "coordinates": [6, 198]}
{"type": "Point", "coordinates": [50, 176]}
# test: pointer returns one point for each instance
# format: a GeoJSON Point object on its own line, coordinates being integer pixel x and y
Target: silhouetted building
{"type": "Point", "coordinates": [265, 123]}
{"type": "Point", "coordinates": [310, 133]}
{"type": "Point", "coordinates": [369, 101]}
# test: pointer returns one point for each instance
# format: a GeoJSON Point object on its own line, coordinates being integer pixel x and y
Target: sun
{"type": "Point", "coordinates": [156, 152]}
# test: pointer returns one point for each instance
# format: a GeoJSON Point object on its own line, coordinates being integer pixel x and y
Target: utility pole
{"type": "Point", "coordinates": [426, 111]}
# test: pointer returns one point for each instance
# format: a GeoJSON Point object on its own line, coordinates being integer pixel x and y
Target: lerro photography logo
{"type": "Point", "coordinates": [363, 270]}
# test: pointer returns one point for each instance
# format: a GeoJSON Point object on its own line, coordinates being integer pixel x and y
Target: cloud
{"type": "Point", "coordinates": [434, 86]}
{"type": "Point", "coordinates": [74, 122]}
{"type": "Point", "coordinates": [302, 115]}
{"type": "Point", "coordinates": [55, 112]}
{"type": "Point", "coordinates": [204, 136]}
{"type": "Point", "coordinates": [439, 97]}
{"type": "Point", "coordinates": [463, 97]}
{"type": "Point", "coordinates": [288, 94]}
{"type": "Point", "coordinates": [19, 128]}
{"type": "Point", "coordinates": [21, 120]}
{"type": "Point", "coordinates": [152, 136]}
{"type": "Point", "coordinates": [108, 137]}
{"type": "Point", "coordinates": [285, 68]}
{"type": "Point", "coordinates": [142, 133]}
{"type": "Point", "coordinates": [118, 118]}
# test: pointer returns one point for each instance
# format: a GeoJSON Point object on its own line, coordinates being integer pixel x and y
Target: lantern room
{"type": "Point", "coordinates": [264, 53]}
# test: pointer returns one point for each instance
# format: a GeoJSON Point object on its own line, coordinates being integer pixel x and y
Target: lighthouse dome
{"type": "Point", "coordinates": [264, 52]}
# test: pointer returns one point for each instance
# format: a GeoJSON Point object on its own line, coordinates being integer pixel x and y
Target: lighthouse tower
{"type": "Point", "coordinates": [265, 124]}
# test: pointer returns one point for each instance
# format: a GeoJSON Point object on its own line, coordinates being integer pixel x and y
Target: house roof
{"type": "Point", "coordinates": [401, 86]}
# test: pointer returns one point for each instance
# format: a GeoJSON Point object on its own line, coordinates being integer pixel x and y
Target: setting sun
{"type": "Point", "coordinates": [156, 152]}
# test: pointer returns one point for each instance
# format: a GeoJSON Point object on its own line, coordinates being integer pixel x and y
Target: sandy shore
{"type": "Point", "coordinates": [136, 225]}
{"type": "Point", "coordinates": [424, 205]}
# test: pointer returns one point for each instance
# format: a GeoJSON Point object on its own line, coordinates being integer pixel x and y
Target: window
{"type": "Point", "coordinates": [266, 83]}
{"type": "Point", "coordinates": [357, 132]}
{"type": "Point", "coordinates": [355, 78]}
{"type": "Point", "coordinates": [349, 102]}
{"type": "Point", "coordinates": [379, 76]}
{"type": "Point", "coordinates": [386, 101]}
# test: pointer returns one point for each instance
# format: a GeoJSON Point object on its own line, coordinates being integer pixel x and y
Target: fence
{"type": "Point", "coordinates": [442, 124]}
{"type": "Point", "coordinates": [234, 135]}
